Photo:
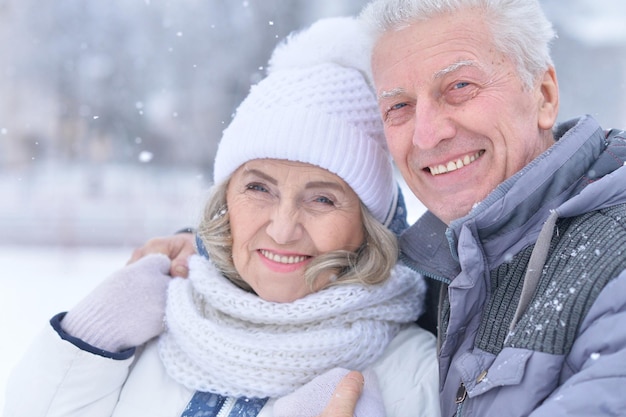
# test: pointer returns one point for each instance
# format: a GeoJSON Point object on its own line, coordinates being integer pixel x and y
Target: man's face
{"type": "Point", "coordinates": [458, 119]}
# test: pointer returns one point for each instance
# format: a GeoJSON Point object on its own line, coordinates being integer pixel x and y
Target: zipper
{"type": "Point", "coordinates": [411, 265]}
{"type": "Point", "coordinates": [444, 281]}
{"type": "Point", "coordinates": [227, 407]}
{"type": "Point", "coordinates": [461, 395]}
{"type": "Point", "coordinates": [442, 291]}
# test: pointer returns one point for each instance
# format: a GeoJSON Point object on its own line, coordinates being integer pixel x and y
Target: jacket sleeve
{"type": "Point", "coordinates": [57, 378]}
{"type": "Point", "coordinates": [408, 375]}
{"type": "Point", "coordinates": [594, 374]}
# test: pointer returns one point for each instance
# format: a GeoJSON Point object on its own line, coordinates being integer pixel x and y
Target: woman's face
{"type": "Point", "coordinates": [282, 215]}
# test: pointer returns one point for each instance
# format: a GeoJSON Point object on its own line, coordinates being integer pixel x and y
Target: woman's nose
{"type": "Point", "coordinates": [284, 224]}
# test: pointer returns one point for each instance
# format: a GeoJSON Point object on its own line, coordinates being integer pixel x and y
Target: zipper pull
{"type": "Point", "coordinates": [461, 394]}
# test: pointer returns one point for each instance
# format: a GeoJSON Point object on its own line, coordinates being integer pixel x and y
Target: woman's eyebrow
{"type": "Point", "coordinates": [324, 184]}
{"type": "Point", "coordinates": [263, 175]}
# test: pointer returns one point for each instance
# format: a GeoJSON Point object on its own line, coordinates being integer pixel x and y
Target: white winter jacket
{"type": "Point", "coordinates": [74, 382]}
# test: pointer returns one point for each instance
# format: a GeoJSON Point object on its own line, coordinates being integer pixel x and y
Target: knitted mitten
{"type": "Point", "coordinates": [310, 400]}
{"type": "Point", "coordinates": [125, 310]}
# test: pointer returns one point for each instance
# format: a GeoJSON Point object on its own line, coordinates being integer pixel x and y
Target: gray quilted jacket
{"type": "Point", "coordinates": [532, 312]}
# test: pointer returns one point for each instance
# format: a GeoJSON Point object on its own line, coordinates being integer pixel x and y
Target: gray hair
{"type": "Point", "coordinates": [519, 28]}
{"type": "Point", "coordinates": [370, 264]}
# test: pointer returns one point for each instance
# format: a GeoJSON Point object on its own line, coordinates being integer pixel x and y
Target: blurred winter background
{"type": "Point", "coordinates": [110, 113]}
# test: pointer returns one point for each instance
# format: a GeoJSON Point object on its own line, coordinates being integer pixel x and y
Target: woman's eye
{"type": "Point", "coordinates": [256, 187]}
{"type": "Point", "coordinates": [324, 200]}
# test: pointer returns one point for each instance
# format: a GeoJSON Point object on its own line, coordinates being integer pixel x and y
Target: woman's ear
{"type": "Point", "coordinates": [549, 100]}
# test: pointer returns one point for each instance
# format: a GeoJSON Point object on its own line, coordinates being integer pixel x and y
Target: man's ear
{"type": "Point", "coordinates": [549, 100]}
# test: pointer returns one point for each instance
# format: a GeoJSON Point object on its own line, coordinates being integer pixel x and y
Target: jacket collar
{"type": "Point", "coordinates": [511, 216]}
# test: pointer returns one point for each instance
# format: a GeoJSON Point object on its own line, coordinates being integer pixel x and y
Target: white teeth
{"type": "Point", "coordinates": [282, 258]}
{"type": "Point", "coordinates": [454, 165]}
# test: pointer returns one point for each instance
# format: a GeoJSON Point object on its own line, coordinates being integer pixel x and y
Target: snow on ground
{"type": "Point", "coordinates": [37, 283]}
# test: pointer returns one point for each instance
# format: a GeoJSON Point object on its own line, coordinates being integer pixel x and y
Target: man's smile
{"type": "Point", "coordinates": [455, 164]}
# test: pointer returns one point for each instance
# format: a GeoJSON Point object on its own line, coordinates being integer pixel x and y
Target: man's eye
{"type": "Point", "coordinates": [397, 106]}
{"type": "Point", "coordinates": [461, 92]}
{"type": "Point", "coordinates": [397, 114]}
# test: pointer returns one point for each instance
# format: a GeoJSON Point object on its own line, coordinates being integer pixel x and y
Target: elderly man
{"type": "Point", "coordinates": [526, 228]}
{"type": "Point", "coordinates": [525, 231]}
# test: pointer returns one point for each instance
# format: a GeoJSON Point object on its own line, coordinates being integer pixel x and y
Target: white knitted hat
{"type": "Point", "coordinates": [317, 106]}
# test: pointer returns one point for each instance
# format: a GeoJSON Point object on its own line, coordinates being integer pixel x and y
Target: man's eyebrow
{"type": "Point", "coordinates": [453, 67]}
{"type": "Point", "coordinates": [394, 92]}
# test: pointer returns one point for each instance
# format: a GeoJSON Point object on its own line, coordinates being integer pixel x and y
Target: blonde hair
{"type": "Point", "coordinates": [370, 264]}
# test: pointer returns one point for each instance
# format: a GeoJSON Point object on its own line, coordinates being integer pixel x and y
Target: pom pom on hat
{"type": "Point", "coordinates": [316, 105]}
{"type": "Point", "coordinates": [339, 40]}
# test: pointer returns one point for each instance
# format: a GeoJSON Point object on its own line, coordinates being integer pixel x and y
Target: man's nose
{"type": "Point", "coordinates": [432, 124]}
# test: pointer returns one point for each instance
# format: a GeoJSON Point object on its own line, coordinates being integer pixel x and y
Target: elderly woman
{"type": "Point", "coordinates": [296, 281]}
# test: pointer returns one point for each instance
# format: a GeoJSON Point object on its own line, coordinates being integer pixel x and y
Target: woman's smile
{"type": "Point", "coordinates": [282, 263]}
{"type": "Point", "coordinates": [282, 215]}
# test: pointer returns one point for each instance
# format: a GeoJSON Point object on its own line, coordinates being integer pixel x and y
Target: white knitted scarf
{"type": "Point", "coordinates": [225, 340]}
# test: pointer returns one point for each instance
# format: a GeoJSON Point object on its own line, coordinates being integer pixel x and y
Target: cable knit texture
{"type": "Point", "coordinates": [225, 340]}
{"type": "Point", "coordinates": [317, 106]}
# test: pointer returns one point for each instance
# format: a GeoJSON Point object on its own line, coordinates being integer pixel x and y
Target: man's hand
{"type": "Point", "coordinates": [347, 393]}
{"type": "Point", "coordinates": [178, 248]}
